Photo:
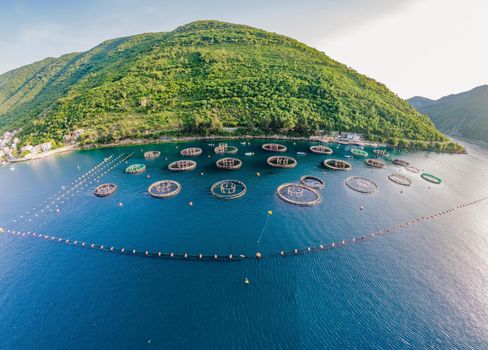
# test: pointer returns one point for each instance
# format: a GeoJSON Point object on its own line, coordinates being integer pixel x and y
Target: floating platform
{"type": "Point", "coordinates": [182, 165]}
{"type": "Point", "coordinates": [228, 189]}
{"type": "Point", "coordinates": [149, 155]}
{"type": "Point", "coordinates": [224, 148]}
{"type": "Point", "coordinates": [164, 189]}
{"type": "Point", "coordinates": [380, 153]}
{"type": "Point", "coordinates": [431, 178]}
{"type": "Point", "coordinates": [312, 182]}
{"type": "Point", "coordinates": [361, 184]}
{"type": "Point", "coordinates": [298, 194]}
{"type": "Point", "coordinates": [229, 163]}
{"type": "Point", "coordinates": [401, 162]}
{"type": "Point", "coordinates": [191, 152]}
{"type": "Point", "coordinates": [400, 179]}
{"type": "Point", "coordinates": [274, 147]}
{"type": "Point", "coordinates": [321, 149]}
{"type": "Point", "coordinates": [282, 162]}
{"type": "Point", "coordinates": [375, 163]}
{"type": "Point", "coordinates": [337, 164]}
{"type": "Point", "coordinates": [135, 169]}
{"type": "Point", "coordinates": [359, 152]}
{"type": "Point", "coordinates": [105, 190]}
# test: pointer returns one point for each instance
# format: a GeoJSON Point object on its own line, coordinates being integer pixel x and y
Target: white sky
{"type": "Point", "coordinates": [416, 47]}
{"type": "Point", "coordinates": [431, 48]}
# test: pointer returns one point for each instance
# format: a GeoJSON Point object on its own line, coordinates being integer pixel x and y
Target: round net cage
{"type": "Point", "coordinates": [164, 189]}
{"type": "Point", "coordinates": [381, 153]}
{"type": "Point", "coordinates": [359, 152]}
{"type": "Point", "coordinates": [361, 184]}
{"type": "Point", "coordinates": [375, 163]}
{"type": "Point", "coordinates": [224, 148]}
{"type": "Point", "coordinates": [336, 164]}
{"type": "Point", "coordinates": [401, 162]}
{"type": "Point", "coordinates": [135, 169]}
{"type": "Point", "coordinates": [152, 154]}
{"type": "Point", "coordinates": [228, 189]}
{"type": "Point", "coordinates": [182, 165]}
{"type": "Point", "coordinates": [321, 149]}
{"type": "Point", "coordinates": [229, 163]}
{"type": "Point", "coordinates": [191, 152]}
{"type": "Point", "coordinates": [431, 178]}
{"type": "Point", "coordinates": [412, 169]}
{"type": "Point", "coordinates": [274, 147]}
{"type": "Point", "coordinates": [400, 179]}
{"type": "Point", "coordinates": [105, 190]}
{"type": "Point", "coordinates": [312, 182]}
{"type": "Point", "coordinates": [281, 162]}
{"type": "Point", "coordinates": [298, 194]}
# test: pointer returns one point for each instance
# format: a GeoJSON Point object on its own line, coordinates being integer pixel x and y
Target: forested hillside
{"type": "Point", "coordinates": [197, 79]}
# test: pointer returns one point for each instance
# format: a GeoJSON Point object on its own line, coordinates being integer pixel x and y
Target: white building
{"type": "Point", "coordinates": [28, 148]}
{"type": "Point", "coordinates": [46, 146]}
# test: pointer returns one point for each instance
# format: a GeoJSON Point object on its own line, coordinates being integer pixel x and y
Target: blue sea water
{"type": "Point", "coordinates": [425, 286]}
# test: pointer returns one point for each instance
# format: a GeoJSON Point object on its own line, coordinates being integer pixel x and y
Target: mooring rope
{"type": "Point", "coordinates": [238, 257]}
{"type": "Point", "coordinates": [82, 182]}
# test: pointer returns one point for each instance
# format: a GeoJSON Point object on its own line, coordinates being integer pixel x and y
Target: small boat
{"type": "Point", "coordinates": [347, 156]}
{"type": "Point", "coordinates": [211, 144]}
{"type": "Point", "coordinates": [249, 153]}
{"type": "Point", "coordinates": [243, 143]}
{"type": "Point", "coordinates": [12, 168]}
{"type": "Point", "coordinates": [302, 153]}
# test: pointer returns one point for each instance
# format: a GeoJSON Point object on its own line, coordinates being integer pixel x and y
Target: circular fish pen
{"type": "Point", "coordinates": [274, 147]}
{"type": "Point", "coordinates": [375, 163]}
{"type": "Point", "coordinates": [312, 182]}
{"type": "Point", "coordinates": [182, 165]}
{"type": "Point", "coordinates": [381, 153]}
{"type": "Point", "coordinates": [321, 149]}
{"type": "Point", "coordinates": [105, 190]}
{"type": "Point", "coordinates": [191, 152]}
{"type": "Point", "coordinates": [282, 162]}
{"type": "Point", "coordinates": [359, 152]}
{"type": "Point", "coordinates": [164, 189]}
{"type": "Point", "coordinates": [149, 155]}
{"type": "Point", "coordinates": [298, 194]}
{"type": "Point", "coordinates": [229, 163]}
{"type": "Point", "coordinates": [412, 169]}
{"type": "Point", "coordinates": [431, 178]}
{"type": "Point", "coordinates": [224, 148]}
{"type": "Point", "coordinates": [228, 189]}
{"type": "Point", "coordinates": [336, 164]}
{"type": "Point", "coordinates": [361, 184]}
{"type": "Point", "coordinates": [401, 162]}
{"type": "Point", "coordinates": [400, 179]}
{"type": "Point", "coordinates": [135, 169]}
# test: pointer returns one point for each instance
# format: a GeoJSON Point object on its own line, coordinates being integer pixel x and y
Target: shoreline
{"type": "Point", "coordinates": [167, 139]}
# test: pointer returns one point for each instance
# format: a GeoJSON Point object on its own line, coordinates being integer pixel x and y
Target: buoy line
{"type": "Point", "coordinates": [82, 182]}
{"type": "Point", "coordinates": [238, 257]}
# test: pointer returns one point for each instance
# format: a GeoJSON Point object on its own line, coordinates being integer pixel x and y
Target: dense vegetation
{"type": "Point", "coordinates": [196, 80]}
{"type": "Point", "coordinates": [464, 114]}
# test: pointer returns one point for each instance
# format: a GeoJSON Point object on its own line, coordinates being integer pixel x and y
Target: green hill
{"type": "Point", "coordinates": [197, 79]}
{"type": "Point", "coordinates": [464, 114]}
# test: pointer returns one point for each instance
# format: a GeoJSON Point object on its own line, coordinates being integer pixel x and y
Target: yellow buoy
{"type": "Point", "coordinates": [190, 204]}
{"type": "Point", "coordinates": [246, 281]}
{"type": "Point", "coordinates": [258, 174]}
{"type": "Point", "coordinates": [1, 229]}
{"type": "Point", "coordinates": [258, 255]}
{"type": "Point", "coordinates": [270, 212]}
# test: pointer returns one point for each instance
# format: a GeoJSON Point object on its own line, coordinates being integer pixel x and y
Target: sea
{"type": "Point", "coordinates": [416, 286]}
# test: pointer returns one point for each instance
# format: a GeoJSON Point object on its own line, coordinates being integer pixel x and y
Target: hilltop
{"type": "Point", "coordinates": [196, 80]}
{"type": "Point", "coordinates": [464, 114]}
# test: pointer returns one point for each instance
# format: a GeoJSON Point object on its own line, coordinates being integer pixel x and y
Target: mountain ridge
{"type": "Point", "coordinates": [197, 79]}
{"type": "Point", "coordinates": [463, 114]}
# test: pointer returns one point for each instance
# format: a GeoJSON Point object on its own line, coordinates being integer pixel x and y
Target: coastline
{"type": "Point", "coordinates": [167, 139]}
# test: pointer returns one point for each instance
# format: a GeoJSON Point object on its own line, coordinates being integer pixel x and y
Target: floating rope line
{"type": "Point", "coordinates": [93, 175]}
{"type": "Point", "coordinates": [264, 227]}
{"type": "Point", "coordinates": [231, 257]}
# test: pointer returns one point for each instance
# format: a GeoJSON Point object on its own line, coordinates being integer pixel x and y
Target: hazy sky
{"type": "Point", "coordinates": [416, 47]}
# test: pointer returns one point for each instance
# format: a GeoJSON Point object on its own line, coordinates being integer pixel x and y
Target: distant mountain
{"type": "Point", "coordinates": [464, 114]}
{"type": "Point", "coordinates": [198, 79]}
